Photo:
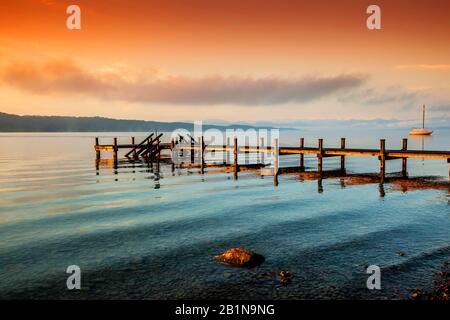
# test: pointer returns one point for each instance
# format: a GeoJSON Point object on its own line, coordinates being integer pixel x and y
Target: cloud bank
{"type": "Point", "coordinates": [396, 95]}
{"type": "Point", "coordinates": [425, 66]}
{"type": "Point", "coordinates": [66, 77]}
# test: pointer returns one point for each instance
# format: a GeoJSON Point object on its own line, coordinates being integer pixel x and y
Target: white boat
{"type": "Point", "coordinates": [421, 131]}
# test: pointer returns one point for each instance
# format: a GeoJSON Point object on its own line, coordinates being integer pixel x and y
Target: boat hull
{"type": "Point", "coordinates": [420, 132]}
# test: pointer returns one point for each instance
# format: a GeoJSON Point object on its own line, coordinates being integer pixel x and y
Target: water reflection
{"type": "Point", "coordinates": [421, 141]}
{"type": "Point", "coordinates": [394, 182]}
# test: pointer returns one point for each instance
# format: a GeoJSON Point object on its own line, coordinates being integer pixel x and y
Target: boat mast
{"type": "Point", "coordinates": [423, 117]}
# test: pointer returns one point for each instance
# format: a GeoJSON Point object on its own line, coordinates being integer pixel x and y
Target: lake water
{"type": "Point", "coordinates": [139, 234]}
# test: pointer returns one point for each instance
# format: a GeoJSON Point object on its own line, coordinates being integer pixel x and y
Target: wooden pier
{"type": "Point", "coordinates": [150, 150]}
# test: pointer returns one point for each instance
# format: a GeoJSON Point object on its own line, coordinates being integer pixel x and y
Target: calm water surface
{"type": "Point", "coordinates": [137, 233]}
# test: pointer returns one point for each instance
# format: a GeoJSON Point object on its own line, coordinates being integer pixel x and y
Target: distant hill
{"type": "Point", "coordinates": [16, 123]}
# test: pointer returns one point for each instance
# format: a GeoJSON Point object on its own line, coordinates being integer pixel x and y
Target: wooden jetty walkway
{"type": "Point", "coordinates": [150, 149]}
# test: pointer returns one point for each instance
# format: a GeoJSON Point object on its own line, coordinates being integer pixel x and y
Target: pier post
{"type": "Point", "coordinates": [319, 185]}
{"type": "Point", "coordinates": [448, 161]}
{"type": "Point", "coordinates": [382, 158]}
{"type": "Point", "coordinates": [227, 152]}
{"type": "Point", "coordinates": [115, 153]}
{"type": "Point", "coordinates": [381, 190]}
{"type": "Point", "coordinates": [343, 157]}
{"type": "Point", "coordinates": [134, 150]}
{"type": "Point", "coordinates": [320, 157]}
{"type": "Point", "coordinates": [148, 159]}
{"type": "Point", "coordinates": [263, 153]}
{"type": "Point", "coordinates": [275, 162]}
{"type": "Point", "coordinates": [235, 154]}
{"type": "Point", "coordinates": [404, 160]}
{"type": "Point", "coordinates": [192, 151]}
{"type": "Point", "coordinates": [97, 152]}
{"type": "Point", "coordinates": [246, 153]}
{"type": "Point", "coordinates": [199, 142]}
{"type": "Point", "coordinates": [172, 148]}
{"type": "Point", "coordinates": [158, 146]}
{"type": "Point", "coordinates": [180, 153]}
{"type": "Point", "coordinates": [257, 152]}
{"type": "Point", "coordinates": [302, 156]}
{"type": "Point", "coordinates": [158, 157]}
{"type": "Point", "coordinates": [202, 155]}
{"type": "Point", "coordinates": [224, 152]}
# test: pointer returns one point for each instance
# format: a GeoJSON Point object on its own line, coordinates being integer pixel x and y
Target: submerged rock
{"type": "Point", "coordinates": [285, 274]}
{"type": "Point", "coordinates": [417, 294]}
{"type": "Point", "coordinates": [240, 257]}
{"type": "Point", "coordinates": [285, 277]}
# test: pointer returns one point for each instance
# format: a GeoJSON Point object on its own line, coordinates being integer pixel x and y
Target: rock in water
{"type": "Point", "coordinates": [240, 257]}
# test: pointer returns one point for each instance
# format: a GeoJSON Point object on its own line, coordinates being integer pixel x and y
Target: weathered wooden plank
{"type": "Point", "coordinates": [419, 154]}
{"type": "Point", "coordinates": [330, 151]}
{"type": "Point", "coordinates": [104, 148]}
{"type": "Point", "coordinates": [294, 150]}
{"type": "Point", "coordinates": [352, 152]}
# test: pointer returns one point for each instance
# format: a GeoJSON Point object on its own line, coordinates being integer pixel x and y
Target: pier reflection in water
{"type": "Point", "coordinates": [396, 181]}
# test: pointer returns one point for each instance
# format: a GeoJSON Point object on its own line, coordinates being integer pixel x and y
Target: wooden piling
{"type": "Point", "coordinates": [382, 158]}
{"type": "Point", "coordinates": [235, 155]}
{"type": "Point", "coordinates": [257, 152]}
{"type": "Point", "coordinates": [199, 142]}
{"type": "Point", "coordinates": [246, 146]}
{"type": "Point", "coordinates": [115, 151]}
{"type": "Point", "coordinates": [157, 155]}
{"type": "Point", "coordinates": [97, 151]}
{"type": "Point", "coordinates": [320, 157]}
{"type": "Point", "coordinates": [202, 155]}
{"type": "Point", "coordinates": [262, 145]}
{"type": "Point", "coordinates": [404, 160]}
{"type": "Point", "coordinates": [381, 190]}
{"type": "Point", "coordinates": [97, 155]}
{"type": "Point", "coordinates": [192, 151]}
{"type": "Point", "coordinates": [319, 185]}
{"type": "Point", "coordinates": [448, 161]}
{"type": "Point", "coordinates": [226, 152]}
{"type": "Point", "coordinates": [134, 150]}
{"type": "Point", "coordinates": [158, 146]}
{"type": "Point", "coordinates": [173, 152]}
{"type": "Point", "coordinates": [302, 156]}
{"type": "Point", "coordinates": [275, 162]}
{"type": "Point", "coordinates": [180, 141]}
{"type": "Point", "coordinates": [343, 157]}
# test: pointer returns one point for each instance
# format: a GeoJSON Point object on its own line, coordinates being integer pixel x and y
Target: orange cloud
{"type": "Point", "coordinates": [425, 66]}
{"type": "Point", "coordinates": [66, 77]}
{"type": "Point", "coordinates": [54, 77]}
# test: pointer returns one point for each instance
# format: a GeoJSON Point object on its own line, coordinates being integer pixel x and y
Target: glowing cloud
{"type": "Point", "coordinates": [66, 77]}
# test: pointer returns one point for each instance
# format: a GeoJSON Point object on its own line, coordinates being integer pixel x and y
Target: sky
{"type": "Point", "coordinates": [226, 60]}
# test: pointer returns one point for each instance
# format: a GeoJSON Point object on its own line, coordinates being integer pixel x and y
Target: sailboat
{"type": "Point", "coordinates": [421, 131]}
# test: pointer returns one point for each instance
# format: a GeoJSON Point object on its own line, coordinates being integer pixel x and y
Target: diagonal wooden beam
{"type": "Point", "coordinates": [138, 146]}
